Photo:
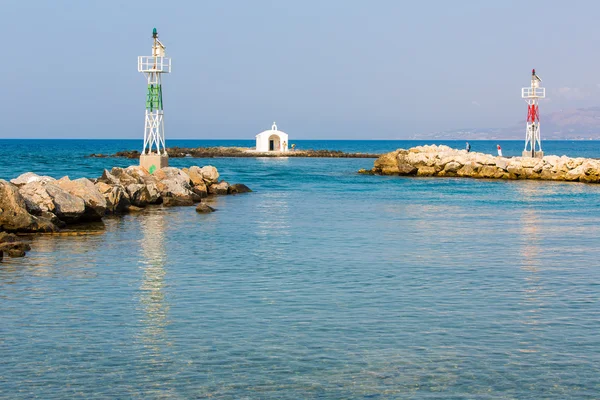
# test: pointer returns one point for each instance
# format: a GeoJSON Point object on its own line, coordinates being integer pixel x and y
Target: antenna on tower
{"type": "Point", "coordinates": [154, 154]}
{"type": "Point", "coordinates": [532, 94]}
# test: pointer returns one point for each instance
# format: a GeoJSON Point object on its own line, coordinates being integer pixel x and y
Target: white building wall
{"type": "Point", "coordinates": [280, 140]}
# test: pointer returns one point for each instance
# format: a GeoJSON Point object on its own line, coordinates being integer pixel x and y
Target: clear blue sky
{"type": "Point", "coordinates": [336, 69]}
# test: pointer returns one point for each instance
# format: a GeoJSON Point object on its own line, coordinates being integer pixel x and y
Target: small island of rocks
{"type": "Point", "coordinates": [444, 161]}
{"type": "Point", "coordinates": [34, 204]}
{"type": "Point", "coordinates": [212, 152]}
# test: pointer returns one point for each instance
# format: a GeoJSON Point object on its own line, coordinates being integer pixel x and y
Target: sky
{"type": "Point", "coordinates": [335, 69]}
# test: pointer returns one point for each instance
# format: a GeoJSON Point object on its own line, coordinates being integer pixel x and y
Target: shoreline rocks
{"type": "Point", "coordinates": [41, 204]}
{"type": "Point", "coordinates": [443, 161]}
{"type": "Point", "coordinates": [212, 152]}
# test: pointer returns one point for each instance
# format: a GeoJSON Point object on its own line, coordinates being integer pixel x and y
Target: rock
{"type": "Point", "coordinates": [196, 176]}
{"type": "Point", "coordinates": [14, 216]}
{"type": "Point", "coordinates": [407, 169]}
{"type": "Point", "coordinates": [491, 171]}
{"type": "Point", "coordinates": [575, 173]}
{"type": "Point", "coordinates": [204, 208]}
{"type": "Point", "coordinates": [117, 198]}
{"type": "Point", "coordinates": [452, 167]}
{"type": "Point", "coordinates": [48, 216]}
{"type": "Point", "coordinates": [238, 188]}
{"type": "Point", "coordinates": [426, 171]}
{"type": "Point", "coordinates": [12, 245]}
{"type": "Point", "coordinates": [95, 204]}
{"type": "Point", "coordinates": [469, 169]}
{"type": "Point", "coordinates": [387, 164]}
{"type": "Point", "coordinates": [134, 209]}
{"type": "Point", "coordinates": [124, 178]}
{"type": "Point", "coordinates": [220, 188]}
{"type": "Point", "coordinates": [210, 174]}
{"type": "Point", "coordinates": [169, 201]}
{"type": "Point", "coordinates": [30, 177]}
{"type": "Point", "coordinates": [421, 159]}
{"type": "Point", "coordinates": [140, 174]}
{"type": "Point", "coordinates": [502, 163]}
{"type": "Point", "coordinates": [36, 197]}
{"type": "Point", "coordinates": [109, 178]}
{"type": "Point", "coordinates": [174, 182]}
{"type": "Point", "coordinates": [142, 195]}
{"type": "Point", "coordinates": [201, 190]}
{"type": "Point", "coordinates": [67, 207]}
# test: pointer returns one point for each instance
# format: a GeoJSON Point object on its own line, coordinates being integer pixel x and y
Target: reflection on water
{"type": "Point", "coordinates": [152, 289]}
{"type": "Point", "coordinates": [531, 255]}
{"type": "Point", "coordinates": [274, 216]}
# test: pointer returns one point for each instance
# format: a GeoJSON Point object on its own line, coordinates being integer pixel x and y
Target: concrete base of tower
{"type": "Point", "coordinates": [151, 162]}
{"type": "Point", "coordinates": [537, 154]}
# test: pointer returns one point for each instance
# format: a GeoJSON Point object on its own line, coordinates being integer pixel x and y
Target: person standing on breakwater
{"type": "Point", "coordinates": [468, 147]}
{"type": "Point", "coordinates": [499, 151]}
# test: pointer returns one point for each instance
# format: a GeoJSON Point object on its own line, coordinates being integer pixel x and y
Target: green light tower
{"type": "Point", "coordinates": [154, 155]}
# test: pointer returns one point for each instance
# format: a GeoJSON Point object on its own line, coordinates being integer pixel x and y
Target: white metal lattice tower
{"type": "Point", "coordinates": [153, 67]}
{"type": "Point", "coordinates": [532, 94]}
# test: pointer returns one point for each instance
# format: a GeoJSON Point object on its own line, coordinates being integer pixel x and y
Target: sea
{"type": "Point", "coordinates": [320, 284]}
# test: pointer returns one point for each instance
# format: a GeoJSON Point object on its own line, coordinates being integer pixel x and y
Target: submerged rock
{"type": "Point", "coordinates": [239, 188]}
{"type": "Point", "coordinates": [203, 208]}
{"type": "Point", "coordinates": [220, 188]}
{"type": "Point", "coordinates": [169, 201]}
{"type": "Point", "coordinates": [12, 245]}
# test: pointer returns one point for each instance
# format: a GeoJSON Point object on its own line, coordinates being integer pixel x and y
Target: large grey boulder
{"type": "Point", "coordinates": [95, 204]}
{"type": "Point", "coordinates": [14, 216]}
{"type": "Point", "coordinates": [67, 207]}
{"type": "Point", "coordinates": [173, 183]}
{"type": "Point", "coordinates": [36, 197]}
{"type": "Point", "coordinates": [43, 198]}
{"type": "Point", "coordinates": [30, 177]}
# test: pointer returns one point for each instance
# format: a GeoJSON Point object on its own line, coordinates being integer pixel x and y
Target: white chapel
{"type": "Point", "coordinates": [272, 140]}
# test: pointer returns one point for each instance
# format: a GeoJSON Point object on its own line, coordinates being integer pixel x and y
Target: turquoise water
{"type": "Point", "coordinates": [320, 284]}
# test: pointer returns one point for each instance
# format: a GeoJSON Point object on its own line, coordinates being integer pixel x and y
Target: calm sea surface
{"type": "Point", "coordinates": [320, 284]}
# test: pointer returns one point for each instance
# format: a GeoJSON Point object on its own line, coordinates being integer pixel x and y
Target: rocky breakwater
{"type": "Point", "coordinates": [33, 204]}
{"type": "Point", "coordinates": [444, 161]}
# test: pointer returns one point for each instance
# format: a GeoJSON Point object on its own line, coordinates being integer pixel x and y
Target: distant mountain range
{"type": "Point", "coordinates": [573, 124]}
